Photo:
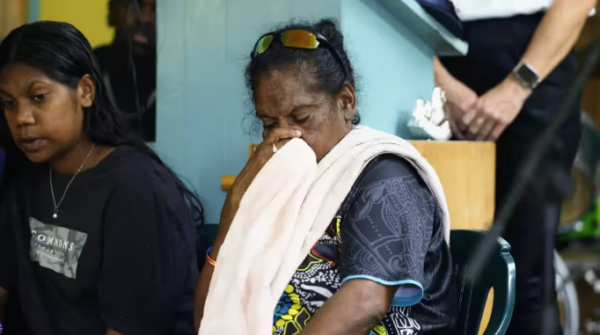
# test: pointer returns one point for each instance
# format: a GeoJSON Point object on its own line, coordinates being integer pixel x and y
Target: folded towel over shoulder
{"type": "Point", "coordinates": [283, 214]}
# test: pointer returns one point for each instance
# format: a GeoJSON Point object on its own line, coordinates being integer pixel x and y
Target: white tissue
{"type": "Point", "coordinates": [427, 121]}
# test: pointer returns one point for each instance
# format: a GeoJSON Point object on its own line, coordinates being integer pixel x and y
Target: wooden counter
{"type": "Point", "coordinates": [467, 171]}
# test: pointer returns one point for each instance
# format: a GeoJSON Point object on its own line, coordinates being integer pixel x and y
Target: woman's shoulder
{"type": "Point", "coordinates": [391, 176]}
{"type": "Point", "coordinates": [136, 171]}
{"type": "Point", "coordinates": [139, 177]}
{"type": "Point", "coordinates": [386, 167]}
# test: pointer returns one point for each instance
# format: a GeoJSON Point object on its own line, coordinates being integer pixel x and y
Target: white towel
{"type": "Point", "coordinates": [283, 214]}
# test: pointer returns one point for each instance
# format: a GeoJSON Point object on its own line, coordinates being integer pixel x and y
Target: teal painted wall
{"type": "Point", "coordinates": [203, 46]}
{"type": "Point", "coordinates": [395, 67]}
{"type": "Point", "coordinates": [33, 10]}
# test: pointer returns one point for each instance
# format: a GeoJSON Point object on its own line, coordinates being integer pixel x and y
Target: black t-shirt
{"type": "Point", "coordinates": [120, 255]}
{"type": "Point", "coordinates": [117, 73]}
{"type": "Point", "coordinates": [389, 230]}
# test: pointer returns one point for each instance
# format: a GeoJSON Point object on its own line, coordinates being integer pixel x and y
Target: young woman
{"type": "Point", "coordinates": [96, 233]}
{"type": "Point", "coordinates": [383, 266]}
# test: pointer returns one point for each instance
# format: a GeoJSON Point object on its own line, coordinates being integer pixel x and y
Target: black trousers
{"type": "Point", "coordinates": [496, 47]}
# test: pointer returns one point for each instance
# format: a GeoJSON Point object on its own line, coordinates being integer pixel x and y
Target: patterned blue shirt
{"type": "Point", "coordinates": [389, 230]}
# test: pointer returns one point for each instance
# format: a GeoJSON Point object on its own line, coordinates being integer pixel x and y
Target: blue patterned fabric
{"type": "Point", "coordinates": [389, 230]}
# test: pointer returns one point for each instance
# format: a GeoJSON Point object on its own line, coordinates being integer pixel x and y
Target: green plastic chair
{"type": "Point", "coordinates": [498, 274]}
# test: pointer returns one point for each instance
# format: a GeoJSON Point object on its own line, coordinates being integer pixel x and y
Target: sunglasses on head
{"type": "Point", "coordinates": [298, 39]}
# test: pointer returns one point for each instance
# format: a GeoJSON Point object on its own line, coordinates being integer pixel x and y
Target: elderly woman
{"type": "Point", "coordinates": [382, 265]}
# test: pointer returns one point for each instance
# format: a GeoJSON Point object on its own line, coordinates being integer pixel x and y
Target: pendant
{"type": "Point", "coordinates": [55, 216]}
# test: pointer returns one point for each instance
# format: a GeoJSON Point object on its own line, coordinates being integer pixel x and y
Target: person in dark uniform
{"type": "Point", "coordinates": [128, 65]}
{"type": "Point", "coordinates": [508, 89]}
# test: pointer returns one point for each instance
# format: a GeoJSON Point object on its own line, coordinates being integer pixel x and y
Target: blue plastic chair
{"type": "Point", "coordinates": [499, 274]}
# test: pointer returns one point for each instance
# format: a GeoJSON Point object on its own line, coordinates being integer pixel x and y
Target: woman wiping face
{"type": "Point", "coordinates": [288, 99]}
{"type": "Point", "coordinates": [381, 266]}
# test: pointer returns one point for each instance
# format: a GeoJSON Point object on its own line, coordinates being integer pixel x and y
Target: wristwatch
{"type": "Point", "coordinates": [526, 75]}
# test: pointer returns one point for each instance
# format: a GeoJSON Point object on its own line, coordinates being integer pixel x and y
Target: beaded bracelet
{"type": "Point", "coordinates": [208, 259]}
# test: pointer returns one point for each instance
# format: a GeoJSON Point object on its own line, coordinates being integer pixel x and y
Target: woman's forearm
{"type": "Point", "coordinates": [355, 309]}
{"type": "Point", "coordinates": [232, 203]}
{"type": "Point", "coordinates": [201, 294]}
{"type": "Point", "coordinates": [556, 34]}
{"type": "Point", "coordinates": [227, 215]}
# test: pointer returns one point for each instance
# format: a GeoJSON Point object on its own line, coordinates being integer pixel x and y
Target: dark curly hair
{"type": "Point", "coordinates": [320, 64]}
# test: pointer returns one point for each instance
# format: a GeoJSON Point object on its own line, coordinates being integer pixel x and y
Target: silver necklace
{"type": "Point", "coordinates": [57, 206]}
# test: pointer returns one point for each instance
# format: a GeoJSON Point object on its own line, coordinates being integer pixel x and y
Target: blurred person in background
{"type": "Point", "coordinates": [129, 64]}
{"type": "Point", "coordinates": [508, 89]}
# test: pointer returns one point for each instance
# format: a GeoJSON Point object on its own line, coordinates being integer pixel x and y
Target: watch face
{"type": "Point", "coordinates": [527, 75]}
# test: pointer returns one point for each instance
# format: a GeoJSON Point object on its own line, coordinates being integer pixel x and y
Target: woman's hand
{"type": "Point", "coordinates": [261, 156]}
{"type": "Point", "coordinates": [459, 105]}
{"type": "Point", "coordinates": [496, 110]}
